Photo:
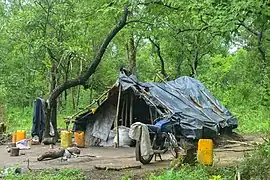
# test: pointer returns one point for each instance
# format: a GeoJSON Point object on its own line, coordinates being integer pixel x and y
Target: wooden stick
{"type": "Point", "coordinates": [239, 142]}
{"type": "Point", "coordinates": [116, 145]}
{"type": "Point", "coordinates": [131, 110]}
{"type": "Point", "coordinates": [126, 112]}
{"type": "Point", "coordinates": [144, 95]}
{"type": "Point", "coordinates": [212, 101]}
{"type": "Point", "coordinates": [233, 150]}
{"type": "Point", "coordinates": [95, 101]}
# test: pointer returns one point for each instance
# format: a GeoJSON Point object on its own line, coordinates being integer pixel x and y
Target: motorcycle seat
{"type": "Point", "coordinates": [153, 128]}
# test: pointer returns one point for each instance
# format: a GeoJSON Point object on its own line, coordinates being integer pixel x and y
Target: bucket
{"type": "Point", "coordinates": [79, 139]}
{"type": "Point", "coordinates": [20, 135]}
{"type": "Point", "coordinates": [66, 139]}
{"type": "Point", "coordinates": [205, 151]}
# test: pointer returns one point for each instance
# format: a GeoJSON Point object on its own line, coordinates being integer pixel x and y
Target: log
{"type": "Point", "coordinates": [49, 140]}
{"type": "Point", "coordinates": [74, 150]}
{"type": "Point", "coordinates": [14, 151]}
{"type": "Point", "coordinates": [101, 167]}
{"type": "Point", "coordinates": [54, 154]}
{"type": "Point", "coordinates": [51, 155]}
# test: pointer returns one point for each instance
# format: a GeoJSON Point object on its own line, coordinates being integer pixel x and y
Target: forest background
{"type": "Point", "coordinates": [44, 43]}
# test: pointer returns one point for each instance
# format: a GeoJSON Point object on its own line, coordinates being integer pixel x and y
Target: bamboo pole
{"type": "Point", "coordinates": [116, 144]}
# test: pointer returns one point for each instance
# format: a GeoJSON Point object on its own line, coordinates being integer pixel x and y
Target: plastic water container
{"type": "Point", "coordinates": [79, 139]}
{"type": "Point", "coordinates": [205, 151]}
{"type": "Point", "coordinates": [66, 139]}
{"type": "Point", "coordinates": [14, 137]}
{"type": "Point", "coordinates": [20, 135]}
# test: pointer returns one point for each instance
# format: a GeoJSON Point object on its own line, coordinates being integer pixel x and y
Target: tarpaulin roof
{"type": "Point", "coordinates": [198, 112]}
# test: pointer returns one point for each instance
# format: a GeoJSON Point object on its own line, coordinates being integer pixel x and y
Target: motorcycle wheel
{"type": "Point", "coordinates": [173, 146]}
{"type": "Point", "coordinates": [142, 159]}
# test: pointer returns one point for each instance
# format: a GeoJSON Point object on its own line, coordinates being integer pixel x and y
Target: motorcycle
{"type": "Point", "coordinates": [162, 141]}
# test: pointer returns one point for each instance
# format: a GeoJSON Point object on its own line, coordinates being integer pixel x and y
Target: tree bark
{"type": "Point", "coordinates": [81, 80]}
{"type": "Point", "coordinates": [132, 54]}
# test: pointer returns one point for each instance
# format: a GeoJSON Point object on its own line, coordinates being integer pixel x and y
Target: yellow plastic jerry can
{"type": "Point", "coordinates": [20, 135]}
{"type": "Point", "coordinates": [205, 151]}
{"type": "Point", "coordinates": [66, 139]}
{"type": "Point", "coordinates": [79, 139]}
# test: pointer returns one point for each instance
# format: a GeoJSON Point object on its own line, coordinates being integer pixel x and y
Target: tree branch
{"type": "Point", "coordinates": [249, 29]}
{"type": "Point", "coordinates": [82, 79]}
{"type": "Point", "coordinates": [163, 71]}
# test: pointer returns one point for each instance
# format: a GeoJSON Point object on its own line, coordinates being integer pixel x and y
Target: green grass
{"type": "Point", "coordinates": [255, 165]}
{"type": "Point", "coordinates": [67, 174]}
{"type": "Point", "coordinates": [198, 172]}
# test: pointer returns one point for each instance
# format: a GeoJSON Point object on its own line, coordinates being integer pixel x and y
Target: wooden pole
{"type": "Point", "coordinates": [126, 113]}
{"type": "Point", "coordinates": [123, 112]}
{"type": "Point", "coordinates": [116, 144]}
{"type": "Point", "coordinates": [131, 109]}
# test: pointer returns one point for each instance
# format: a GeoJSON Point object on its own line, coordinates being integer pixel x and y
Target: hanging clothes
{"type": "Point", "coordinates": [38, 123]}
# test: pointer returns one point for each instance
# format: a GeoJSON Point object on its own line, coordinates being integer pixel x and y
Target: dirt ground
{"type": "Point", "coordinates": [227, 155]}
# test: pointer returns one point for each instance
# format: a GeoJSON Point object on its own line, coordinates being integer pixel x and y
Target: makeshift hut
{"type": "Point", "coordinates": [184, 100]}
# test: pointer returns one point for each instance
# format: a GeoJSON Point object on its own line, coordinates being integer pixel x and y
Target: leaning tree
{"type": "Point", "coordinates": [51, 109]}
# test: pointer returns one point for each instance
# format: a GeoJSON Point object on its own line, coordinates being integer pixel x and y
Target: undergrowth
{"type": "Point", "coordinates": [255, 166]}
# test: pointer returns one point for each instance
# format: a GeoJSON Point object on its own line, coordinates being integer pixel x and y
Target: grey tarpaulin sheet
{"type": "Point", "coordinates": [192, 105]}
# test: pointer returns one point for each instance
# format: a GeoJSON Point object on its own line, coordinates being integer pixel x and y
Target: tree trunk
{"type": "Point", "coordinates": [81, 80]}
{"type": "Point", "coordinates": [132, 54]}
{"type": "Point", "coordinates": [194, 63]}
{"type": "Point", "coordinates": [73, 98]}
{"type": "Point", "coordinates": [162, 64]}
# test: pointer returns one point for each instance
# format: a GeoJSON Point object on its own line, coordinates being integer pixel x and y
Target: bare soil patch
{"type": "Point", "coordinates": [227, 155]}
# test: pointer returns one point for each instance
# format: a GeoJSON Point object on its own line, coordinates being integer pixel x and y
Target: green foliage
{"type": "Point", "coordinates": [69, 174]}
{"type": "Point", "coordinates": [196, 172]}
{"type": "Point", "coordinates": [257, 164]}
{"type": "Point", "coordinates": [194, 37]}
{"type": "Point", "coordinates": [235, 80]}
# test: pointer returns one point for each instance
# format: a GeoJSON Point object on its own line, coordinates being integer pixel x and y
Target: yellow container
{"type": "Point", "coordinates": [20, 135]}
{"type": "Point", "coordinates": [14, 137]}
{"type": "Point", "coordinates": [205, 151]}
{"type": "Point", "coordinates": [66, 139]}
{"type": "Point", "coordinates": [79, 139]}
